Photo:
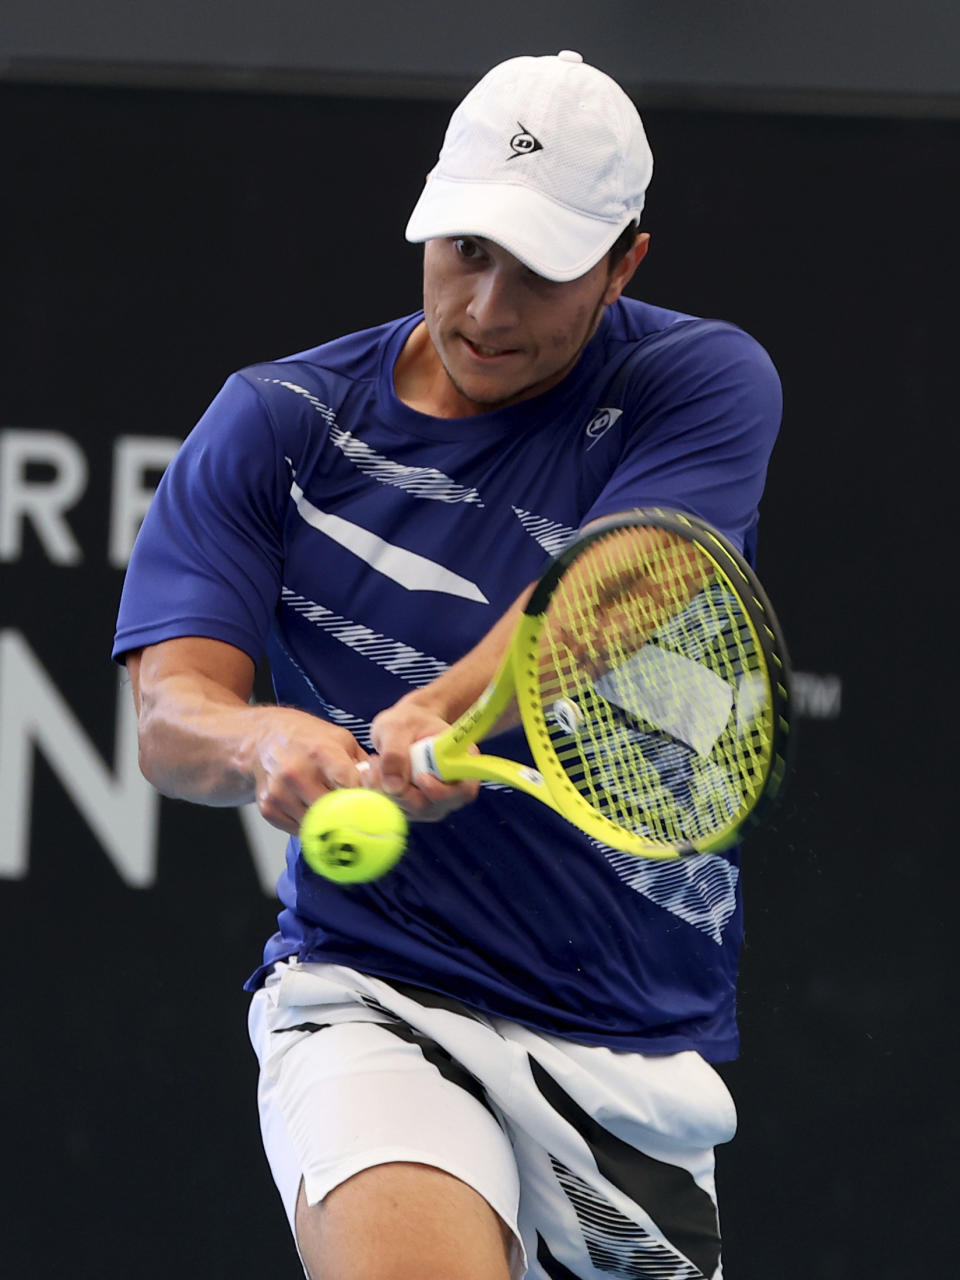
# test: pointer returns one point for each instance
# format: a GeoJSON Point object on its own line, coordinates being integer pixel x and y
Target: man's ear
{"type": "Point", "coordinates": [622, 273]}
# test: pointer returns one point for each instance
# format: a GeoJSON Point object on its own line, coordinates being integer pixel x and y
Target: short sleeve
{"type": "Point", "coordinates": [207, 561]}
{"type": "Point", "coordinates": [702, 407]}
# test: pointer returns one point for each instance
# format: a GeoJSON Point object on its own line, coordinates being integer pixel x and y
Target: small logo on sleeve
{"type": "Point", "coordinates": [600, 424]}
{"type": "Point", "coordinates": [523, 143]}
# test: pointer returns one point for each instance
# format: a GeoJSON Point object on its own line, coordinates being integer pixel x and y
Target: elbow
{"type": "Point", "coordinates": [149, 761]}
{"type": "Point", "coordinates": [151, 754]}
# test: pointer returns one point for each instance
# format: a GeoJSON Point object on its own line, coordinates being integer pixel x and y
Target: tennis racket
{"type": "Point", "coordinates": [652, 683]}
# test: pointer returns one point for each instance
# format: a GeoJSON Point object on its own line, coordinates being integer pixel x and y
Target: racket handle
{"type": "Point", "coordinates": [423, 759]}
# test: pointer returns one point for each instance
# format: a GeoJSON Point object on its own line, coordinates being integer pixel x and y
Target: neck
{"type": "Point", "coordinates": [422, 383]}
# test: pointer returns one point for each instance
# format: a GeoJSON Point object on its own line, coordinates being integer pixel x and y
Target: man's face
{"type": "Point", "coordinates": [503, 333]}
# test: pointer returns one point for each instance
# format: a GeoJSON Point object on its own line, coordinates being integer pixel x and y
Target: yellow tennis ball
{"type": "Point", "coordinates": [353, 835]}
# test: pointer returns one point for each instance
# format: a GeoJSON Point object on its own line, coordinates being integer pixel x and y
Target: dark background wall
{"type": "Point", "coordinates": [860, 46]}
{"type": "Point", "coordinates": [155, 239]}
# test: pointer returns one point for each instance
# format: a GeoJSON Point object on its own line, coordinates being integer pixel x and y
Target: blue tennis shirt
{"type": "Point", "coordinates": [363, 547]}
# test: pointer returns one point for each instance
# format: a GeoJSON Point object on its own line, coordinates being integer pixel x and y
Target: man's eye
{"type": "Point", "coordinates": [467, 248]}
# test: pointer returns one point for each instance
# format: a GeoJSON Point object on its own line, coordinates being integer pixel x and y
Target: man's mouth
{"type": "Point", "coordinates": [484, 352]}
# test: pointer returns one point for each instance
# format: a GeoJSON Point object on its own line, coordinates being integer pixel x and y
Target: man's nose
{"type": "Point", "coordinates": [493, 304]}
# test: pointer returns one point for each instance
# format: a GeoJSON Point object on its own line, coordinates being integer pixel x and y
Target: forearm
{"type": "Point", "coordinates": [451, 693]}
{"type": "Point", "coordinates": [424, 712]}
{"type": "Point", "coordinates": [201, 740]}
{"type": "Point", "coordinates": [197, 740]}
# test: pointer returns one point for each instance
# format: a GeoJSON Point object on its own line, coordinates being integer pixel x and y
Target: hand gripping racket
{"type": "Point", "coordinates": [652, 683]}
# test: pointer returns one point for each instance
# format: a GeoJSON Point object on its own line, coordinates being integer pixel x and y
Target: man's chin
{"type": "Point", "coordinates": [489, 391]}
{"type": "Point", "coordinates": [486, 398]}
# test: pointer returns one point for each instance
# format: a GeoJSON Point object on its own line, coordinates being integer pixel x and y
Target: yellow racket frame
{"type": "Point", "coordinates": [447, 756]}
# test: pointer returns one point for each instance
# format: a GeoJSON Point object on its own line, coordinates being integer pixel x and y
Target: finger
{"type": "Point", "coordinates": [346, 771]}
{"type": "Point", "coordinates": [284, 813]}
{"type": "Point", "coordinates": [430, 800]}
{"type": "Point", "coordinates": [394, 771]}
{"type": "Point", "coordinates": [284, 803]}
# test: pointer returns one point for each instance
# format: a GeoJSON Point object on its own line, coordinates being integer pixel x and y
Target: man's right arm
{"type": "Point", "coordinates": [201, 739]}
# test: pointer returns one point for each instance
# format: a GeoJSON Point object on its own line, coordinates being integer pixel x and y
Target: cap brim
{"type": "Point", "coordinates": [554, 241]}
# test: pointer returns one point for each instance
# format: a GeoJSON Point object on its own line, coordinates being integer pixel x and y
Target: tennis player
{"type": "Point", "coordinates": [495, 1061]}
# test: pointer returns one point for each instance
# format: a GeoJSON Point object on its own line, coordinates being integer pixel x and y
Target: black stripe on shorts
{"type": "Point", "coordinates": [448, 1067]}
{"type": "Point", "coordinates": [683, 1211]}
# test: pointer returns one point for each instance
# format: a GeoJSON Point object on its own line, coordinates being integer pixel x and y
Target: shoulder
{"type": "Point", "coordinates": [670, 358]}
{"type": "Point", "coordinates": [663, 337]}
{"type": "Point", "coordinates": [297, 398]}
{"type": "Point", "coordinates": [699, 408]}
{"type": "Point", "coordinates": [330, 369]}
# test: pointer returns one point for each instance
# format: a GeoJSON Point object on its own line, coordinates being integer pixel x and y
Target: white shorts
{"type": "Point", "coordinates": [600, 1162]}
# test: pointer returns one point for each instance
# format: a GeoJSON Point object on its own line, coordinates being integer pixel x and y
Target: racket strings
{"type": "Point", "coordinates": [654, 689]}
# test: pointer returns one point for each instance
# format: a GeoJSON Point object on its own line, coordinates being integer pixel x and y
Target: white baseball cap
{"type": "Point", "coordinates": [545, 156]}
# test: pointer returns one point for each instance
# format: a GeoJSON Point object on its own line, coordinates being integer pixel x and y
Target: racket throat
{"type": "Point", "coordinates": [519, 777]}
{"type": "Point", "coordinates": [424, 758]}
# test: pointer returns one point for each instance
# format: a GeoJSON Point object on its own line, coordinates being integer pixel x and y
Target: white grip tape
{"type": "Point", "coordinates": [422, 758]}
